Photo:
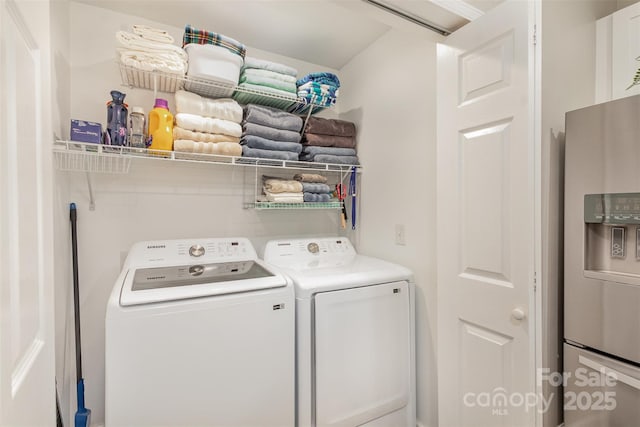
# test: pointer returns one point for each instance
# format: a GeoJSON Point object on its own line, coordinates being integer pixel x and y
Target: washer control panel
{"type": "Point", "coordinates": [189, 251]}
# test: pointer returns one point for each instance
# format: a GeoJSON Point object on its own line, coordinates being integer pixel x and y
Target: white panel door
{"type": "Point", "coordinates": [27, 394]}
{"type": "Point", "coordinates": [486, 221]}
{"type": "Point", "coordinates": [362, 354]}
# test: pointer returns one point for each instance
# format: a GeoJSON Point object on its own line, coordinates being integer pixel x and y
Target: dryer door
{"type": "Point", "coordinates": [362, 353]}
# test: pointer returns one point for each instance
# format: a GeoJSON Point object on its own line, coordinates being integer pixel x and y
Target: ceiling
{"type": "Point", "coordinates": [323, 32]}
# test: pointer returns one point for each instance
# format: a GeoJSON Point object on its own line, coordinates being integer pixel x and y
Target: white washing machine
{"type": "Point", "coordinates": [200, 333]}
{"type": "Point", "coordinates": [355, 342]}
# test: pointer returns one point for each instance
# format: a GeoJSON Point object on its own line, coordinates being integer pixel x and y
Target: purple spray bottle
{"type": "Point", "coordinates": [117, 118]}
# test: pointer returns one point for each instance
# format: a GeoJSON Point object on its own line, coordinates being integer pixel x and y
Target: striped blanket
{"type": "Point", "coordinates": [193, 35]}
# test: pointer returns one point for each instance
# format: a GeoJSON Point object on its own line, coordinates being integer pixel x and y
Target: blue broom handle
{"type": "Point", "coordinates": [80, 392]}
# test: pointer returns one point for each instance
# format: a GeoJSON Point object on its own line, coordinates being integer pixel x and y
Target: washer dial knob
{"type": "Point", "coordinates": [313, 248]}
{"type": "Point", "coordinates": [196, 250]}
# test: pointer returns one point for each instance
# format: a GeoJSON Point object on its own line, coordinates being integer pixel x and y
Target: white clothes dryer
{"type": "Point", "coordinates": [355, 360]}
{"type": "Point", "coordinates": [199, 333]}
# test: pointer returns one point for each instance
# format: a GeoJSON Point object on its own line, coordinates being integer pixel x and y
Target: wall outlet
{"type": "Point", "coordinates": [400, 238]}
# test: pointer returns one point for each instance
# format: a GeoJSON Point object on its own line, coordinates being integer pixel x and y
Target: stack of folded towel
{"type": "Point", "coordinates": [266, 76]}
{"type": "Point", "coordinates": [209, 126]}
{"type": "Point", "coordinates": [151, 49]}
{"type": "Point", "coordinates": [320, 89]}
{"type": "Point", "coordinates": [270, 133]}
{"type": "Point", "coordinates": [282, 190]}
{"type": "Point", "coordinates": [314, 187]}
{"type": "Point", "coordinates": [329, 141]}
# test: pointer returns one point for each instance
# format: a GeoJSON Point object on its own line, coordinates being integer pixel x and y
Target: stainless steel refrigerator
{"type": "Point", "coordinates": [602, 265]}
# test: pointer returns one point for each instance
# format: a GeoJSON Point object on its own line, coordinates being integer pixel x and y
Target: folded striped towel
{"type": "Point", "coordinates": [318, 89]}
{"type": "Point", "coordinates": [193, 35]}
{"type": "Point", "coordinates": [320, 78]}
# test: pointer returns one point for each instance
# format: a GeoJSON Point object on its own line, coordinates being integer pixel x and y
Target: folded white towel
{"type": "Point", "coordinates": [179, 133]}
{"type": "Point", "coordinates": [136, 42]}
{"type": "Point", "coordinates": [208, 125]}
{"type": "Point", "coordinates": [275, 185]}
{"type": "Point", "coordinates": [221, 148]}
{"type": "Point", "coordinates": [192, 103]}
{"type": "Point", "coordinates": [153, 34]}
{"type": "Point", "coordinates": [165, 62]}
{"type": "Point", "coordinates": [284, 197]}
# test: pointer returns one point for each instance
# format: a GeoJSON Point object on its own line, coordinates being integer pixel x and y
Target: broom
{"type": "Point", "coordinates": [83, 415]}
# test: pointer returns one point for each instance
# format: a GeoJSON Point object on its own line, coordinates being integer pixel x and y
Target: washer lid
{"type": "Point", "coordinates": [177, 282]}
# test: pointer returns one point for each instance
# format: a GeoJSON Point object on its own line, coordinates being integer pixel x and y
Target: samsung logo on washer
{"type": "Point", "coordinates": [156, 246]}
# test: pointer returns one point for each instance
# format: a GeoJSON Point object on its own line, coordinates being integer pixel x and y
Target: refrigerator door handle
{"type": "Point", "coordinates": [618, 376]}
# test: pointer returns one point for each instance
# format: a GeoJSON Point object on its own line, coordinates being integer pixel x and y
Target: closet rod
{"type": "Point", "coordinates": [410, 18]}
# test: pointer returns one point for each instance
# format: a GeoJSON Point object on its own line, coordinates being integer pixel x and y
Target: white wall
{"type": "Point", "coordinates": [156, 200]}
{"type": "Point", "coordinates": [389, 91]}
{"type": "Point", "coordinates": [568, 75]}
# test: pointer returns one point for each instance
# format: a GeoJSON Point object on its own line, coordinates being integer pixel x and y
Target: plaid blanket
{"type": "Point", "coordinates": [193, 35]}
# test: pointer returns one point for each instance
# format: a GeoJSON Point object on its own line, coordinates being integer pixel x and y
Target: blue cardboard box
{"type": "Point", "coordinates": [84, 131]}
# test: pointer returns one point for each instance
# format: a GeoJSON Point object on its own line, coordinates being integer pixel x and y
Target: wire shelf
{"type": "Point", "coordinates": [83, 157]}
{"type": "Point", "coordinates": [304, 205]}
{"type": "Point", "coordinates": [87, 157]}
{"type": "Point", "coordinates": [166, 82]}
{"type": "Point", "coordinates": [152, 80]}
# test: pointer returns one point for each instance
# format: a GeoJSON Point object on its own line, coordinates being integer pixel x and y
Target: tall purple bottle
{"type": "Point", "coordinates": [117, 118]}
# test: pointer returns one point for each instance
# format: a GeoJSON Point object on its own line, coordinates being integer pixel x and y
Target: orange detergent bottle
{"type": "Point", "coordinates": [161, 126]}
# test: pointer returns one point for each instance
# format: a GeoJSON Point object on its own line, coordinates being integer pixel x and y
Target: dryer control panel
{"type": "Point", "coordinates": [300, 250]}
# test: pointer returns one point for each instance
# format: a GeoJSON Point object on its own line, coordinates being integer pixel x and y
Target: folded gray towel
{"type": "Point", "coordinates": [270, 133]}
{"type": "Point", "coordinates": [315, 197]}
{"type": "Point", "coordinates": [330, 158]}
{"type": "Point", "coordinates": [311, 187]}
{"type": "Point", "coordinates": [336, 151]}
{"type": "Point", "coordinates": [272, 117]}
{"type": "Point", "coordinates": [268, 154]}
{"type": "Point", "coordinates": [267, 144]}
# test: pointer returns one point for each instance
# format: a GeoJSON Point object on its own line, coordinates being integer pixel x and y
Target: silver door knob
{"type": "Point", "coordinates": [518, 313]}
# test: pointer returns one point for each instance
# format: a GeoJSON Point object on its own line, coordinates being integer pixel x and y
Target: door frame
{"type": "Point", "coordinates": [535, 93]}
